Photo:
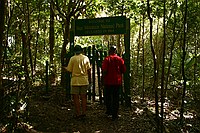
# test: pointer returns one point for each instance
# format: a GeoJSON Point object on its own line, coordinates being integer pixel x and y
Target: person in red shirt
{"type": "Point", "coordinates": [113, 68]}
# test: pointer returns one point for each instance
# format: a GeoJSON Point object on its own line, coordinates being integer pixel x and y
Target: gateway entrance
{"type": "Point", "coordinates": [106, 26]}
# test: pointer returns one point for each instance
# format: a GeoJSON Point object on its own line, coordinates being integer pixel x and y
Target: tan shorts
{"type": "Point", "coordinates": [79, 89]}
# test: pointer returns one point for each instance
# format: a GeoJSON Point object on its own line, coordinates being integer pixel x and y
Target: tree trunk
{"type": "Point", "coordinates": [195, 63]}
{"type": "Point", "coordinates": [29, 37]}
{"type": "Point", "coordinates": [52, 43]}
{"type": "Point", "coordinates": [183, 62]}
{"type": "Point", "coordinates": [155, 66]}
{"type": "Point", "coordinates": [138, 55]}
{"type": "Point", "coordinates": [143, 58]}
{"type": "Point", "coordinates": [171, 50]}
{"type": "Point", "coordinates": [163, 70]}
{"type": "Point", "coordinates": [25, 58]}
{"type": "Point", "coordinates": [37, 38]}
{"type": "Point", "coordinates": [2, 18]}
{"type": "Point", "coordinates": [63, 54]}
{"type": "Point", "coordinates": [26, 43]}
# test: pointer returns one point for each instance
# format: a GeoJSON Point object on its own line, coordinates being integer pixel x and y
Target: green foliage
{"type": "Point", "coordinates": [120, 7]}
{"type": "Point", "coordinates": [89, 41]}
{"type": "Point", "coordinates": [94, 7]}
{"type": "Point", "coordinates": [136, 10]}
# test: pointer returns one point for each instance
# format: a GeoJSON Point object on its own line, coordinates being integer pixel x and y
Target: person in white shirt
{"type": "Point", "coordinates": [80, 68]}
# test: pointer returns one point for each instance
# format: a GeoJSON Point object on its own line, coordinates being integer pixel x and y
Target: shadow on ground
{"type": "Point", "coordinates": [54, 114]}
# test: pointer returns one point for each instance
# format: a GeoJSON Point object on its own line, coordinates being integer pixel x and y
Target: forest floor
{"type": "Point", "coordinates": [52, 113]}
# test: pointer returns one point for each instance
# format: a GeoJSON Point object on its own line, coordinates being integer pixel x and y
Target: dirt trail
{"type": "Point", "coordinates": [53, 114]}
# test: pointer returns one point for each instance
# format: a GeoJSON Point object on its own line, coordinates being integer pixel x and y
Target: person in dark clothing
{"type": "Point", "coordinates": [113, 68]}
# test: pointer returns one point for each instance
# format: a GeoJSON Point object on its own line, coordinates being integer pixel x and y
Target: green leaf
{"type": "Point", "coordinates": [189, 63]}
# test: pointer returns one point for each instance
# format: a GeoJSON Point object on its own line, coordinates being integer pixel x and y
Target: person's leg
{"type": "Point", "coordinates": [76, 104]}
{"type": "Point", "coordinates": [83, 94]}
{"type": "Point", "coordinates": [83, 103]}
{"type": "Point", "coordinates": [76, 99]}
{"type": "Point", "coordinates": [108, 100]}
{"type": "Point", "coordinates": [115, 103]}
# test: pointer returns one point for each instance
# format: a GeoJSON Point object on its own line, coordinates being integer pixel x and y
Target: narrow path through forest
{"type": "Point", "coordinates": [54, 114]}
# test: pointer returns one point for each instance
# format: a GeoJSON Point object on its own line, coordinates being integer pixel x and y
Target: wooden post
{"type": "Point", "coordinates": [89, 56]}
{"type": "Point", "coordinates": [105, 53]}
{"type": "Point", "coordinates": [127, 63]}
{"type": "Point", "coordinates": [98, 61]}
{"type": "Point", "coordinates": [47, 76]}
{"type": "Point", "coordinates": [93, 72]}
{"type": "Point", "coordinates": [101, 83]}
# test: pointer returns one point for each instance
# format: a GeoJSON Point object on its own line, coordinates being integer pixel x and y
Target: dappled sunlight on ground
{"type": "Point", "coordinates": [171, 115]}
{"type": "Point", "coordinates": [52, 113]}
{"type": "Point", "coordinates": [55, 114]}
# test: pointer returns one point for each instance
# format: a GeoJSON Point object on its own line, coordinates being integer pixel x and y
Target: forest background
{"type": "Point", "coordinates": [164, 48]}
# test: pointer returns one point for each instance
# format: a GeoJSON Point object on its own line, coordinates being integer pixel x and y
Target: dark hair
{"type": "Point", "coordinates": [113, 48]}
{"type": "Point", "coordinates": [78, 49]}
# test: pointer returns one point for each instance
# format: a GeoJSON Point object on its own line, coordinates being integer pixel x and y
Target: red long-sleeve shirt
{"type": "Point", "coordinates": [113, 67]}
